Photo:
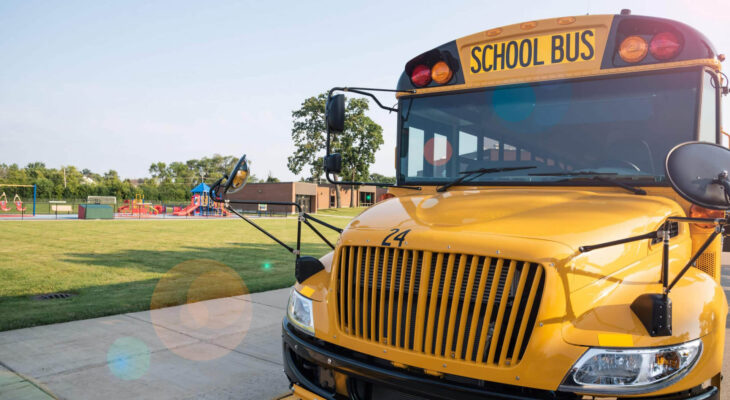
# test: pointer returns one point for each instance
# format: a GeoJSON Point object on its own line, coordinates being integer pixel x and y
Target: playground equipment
{"type": "Point", "coordinates": [139, 207]}
{"type": "Point", "coordinates": [95, 211]}
{"type": "Point", "coordinates": [4, 202]}
{"type": "Point", "coordinates": [18, 203]}
{"type": "Point", "coordinates": [202, 204]}
{"type": "Point", "coordinates": [19, 207]}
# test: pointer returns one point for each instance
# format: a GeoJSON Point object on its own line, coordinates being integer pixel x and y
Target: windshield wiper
{"type": "Point", "coordinates": [600, 176]}
{"type": "Point", "coordinates": [477, 173]}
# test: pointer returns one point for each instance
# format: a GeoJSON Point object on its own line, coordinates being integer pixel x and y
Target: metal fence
{"type": "Point", "coordinates": [67, 207]}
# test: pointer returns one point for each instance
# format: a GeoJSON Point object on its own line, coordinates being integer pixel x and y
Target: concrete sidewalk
{"type": "Point", "coordinates": [152, 356]}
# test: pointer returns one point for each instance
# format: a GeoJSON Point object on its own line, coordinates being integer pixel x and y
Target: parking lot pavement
{"type": "Point", "coordinates": [163, 354]}
{"type": "Point", "coordinates": [218, 349]}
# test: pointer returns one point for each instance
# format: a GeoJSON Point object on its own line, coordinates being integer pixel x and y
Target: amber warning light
{"type": "Point", "coordinates": [663, 46]}
{"type": "Point", "coordinates": [440, 72]}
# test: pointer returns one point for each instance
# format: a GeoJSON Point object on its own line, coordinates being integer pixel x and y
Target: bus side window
{"type": "Point", "coordinates": [708, 112]}
{"type": "Point", "coordinates": [415, 152]}
{"type": "Point", "coordinates": [509, 153]}
{"type": "Point", "coordinates": [441, 155]}
{"type": "Point", "coordinates": [490, 149]}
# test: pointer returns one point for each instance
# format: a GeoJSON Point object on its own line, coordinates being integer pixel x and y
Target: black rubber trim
{"type": "Point", "coordinates": [709, 393]}
{"type": "Point", "coordinates": [403, 382]}
{"type": "Point", "coordinates": [397, 380]}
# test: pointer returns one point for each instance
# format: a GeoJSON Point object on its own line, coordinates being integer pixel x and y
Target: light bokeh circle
{"type": "Point", "coordinates": [128, 358]}
{"type": "Point", "coordinates": [203, 299]}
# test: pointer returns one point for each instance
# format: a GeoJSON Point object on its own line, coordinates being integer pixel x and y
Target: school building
{"type": "Point", "coordinates": [310, 196]}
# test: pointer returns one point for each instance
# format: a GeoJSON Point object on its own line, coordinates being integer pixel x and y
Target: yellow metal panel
{"type": "Point", "coordinates": [403, 268]}
{"type": "Point", "coordinates": [374, 292]}
{"type": "Point", "coordinates": [480, 221]}
{"type": "Point", "coordinates": [615, 340]}
{"type": "Point", "coordinates": [300, 393]}
{"type": "Point", "coordinates": [500, 313]}
{"type": "Point", "coordinates": [467, 305]}
{"type": "Point", "coordinates": [342, 268]}
{"type": "Point", "coordinates": [350, 299]}
{"type": "Point", "coordinates": [528, 306]}
{"type": "Point", "coordinates": [455, 306]}
{"type": "Point", "coordinates": [365, 294]}
{"type": "Point", "coordinates": [423, 293]}
{"type": "Point", "coordinates": [537, 66]}
{"type": "Point", "coordinates": [490, 307]}
{"type": "Point", "coordinates": [358, 268]}
{"type": "Point", "coordinates": [513, 313]}
{"type": "Point", "coordinates": [434, 298]}
{"type": "Point", "coordinates": [391, 295]}
{"type": "Point", "coordinates": [306, 291]}
{"type": "Point", "coordinates": [444, 304]}
{"type": "Point", "coordinates": [383, 278]}
{"type": "Point", "coordinates": [486, 265]}
{"type": "Point", "coordinates": [409, 305]}
{"type": "Point", "coordinates": [531, 52]}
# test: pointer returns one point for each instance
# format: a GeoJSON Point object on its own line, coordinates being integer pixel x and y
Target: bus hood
{"type": "Point", "coordinates": [571, 217]}
{"type": "Point", "coordinates": [537, 225]}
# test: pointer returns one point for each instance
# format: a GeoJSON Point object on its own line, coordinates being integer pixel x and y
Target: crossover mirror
{"type": "Point", "coordinates": [335, 113]}
{"type": "Point", "coordinates": [698, 171]}
{"type": "Point", "coordinates": [238, 178]}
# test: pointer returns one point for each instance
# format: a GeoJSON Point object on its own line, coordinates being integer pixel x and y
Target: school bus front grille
{"type": "Point", "coordinates": [465, 307]}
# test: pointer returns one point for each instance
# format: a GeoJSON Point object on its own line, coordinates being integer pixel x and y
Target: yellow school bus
{"type": "Point", "coordinates": [519, 149]}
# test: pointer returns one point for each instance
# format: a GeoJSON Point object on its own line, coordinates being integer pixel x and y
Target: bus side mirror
{"type": "Point", "coordinates": [305, 267]}
{"type": "Point", "coordinates": [333, 163]}
{"type": "Point", "coordinates": [335, 113]}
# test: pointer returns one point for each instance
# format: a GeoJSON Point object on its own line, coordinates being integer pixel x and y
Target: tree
{"type": "Point", "coordinates": [159, 171]}
{"type": "Point", "coordinates": [309, 135]}
{"type": "Point", "coordinates": [376, 177]}
{"type": "Point", "coordinates": [169, 181]}
{"type": "Point", "coordinates": [358, 143]}
{"type": "Point", "coordinates": [272, 179]}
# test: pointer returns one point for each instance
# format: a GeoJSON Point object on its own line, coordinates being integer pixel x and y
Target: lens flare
{"type": "Point", "coordinates": [191, 283]}
{"type": "Point", "coordinates": [128, 358]}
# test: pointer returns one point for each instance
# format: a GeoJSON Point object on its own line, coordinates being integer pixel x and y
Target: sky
{"type": "Point", "coordinates": [122, 84]}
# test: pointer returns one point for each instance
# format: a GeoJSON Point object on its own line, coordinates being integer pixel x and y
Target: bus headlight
{"type": "Point", "coordinates": [299, 312]}
{"type": "Point", "coordinates": [631, 371]}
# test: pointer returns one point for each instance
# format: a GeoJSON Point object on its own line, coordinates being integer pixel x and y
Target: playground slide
{"type": "Point", "coordinates": [187, 210]}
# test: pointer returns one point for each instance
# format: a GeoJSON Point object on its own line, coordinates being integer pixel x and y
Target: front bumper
{"type": "Point", "coordinates": [307, 358]}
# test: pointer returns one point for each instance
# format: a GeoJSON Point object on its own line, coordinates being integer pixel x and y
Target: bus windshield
{"type": "Point", "coordinates": [619, 127]}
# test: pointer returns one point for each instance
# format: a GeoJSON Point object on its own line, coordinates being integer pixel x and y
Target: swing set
{"type": "Point", "coordinates": [18, 202]}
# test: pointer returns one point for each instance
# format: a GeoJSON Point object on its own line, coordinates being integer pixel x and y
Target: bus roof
{"type": "Point", "coordinates": [560, 48]}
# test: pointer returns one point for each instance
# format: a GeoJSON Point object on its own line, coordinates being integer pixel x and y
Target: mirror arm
{"type": "Point", "coordinates": [718, 230]}
{"type": "Point", "coordinates": [663, 233]}
{"type": "Point", "coordinates": [334, 228]}
{"type": "Point", "coordinates": [265, 232]}
{"type": "Point", "coordinates": [321, 236]}
{"type": "Point", "coordinates": [303, 218]}
{"type": "Point", "coordinates": [365, 92]}
{"type": "Point", "coordinates": [585, 249]}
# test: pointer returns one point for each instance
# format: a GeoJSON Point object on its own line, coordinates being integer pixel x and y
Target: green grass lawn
{"type": "Point", "coordinates": [113, 267]}
{"type": "Point", "coordinates": [342, 212]}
